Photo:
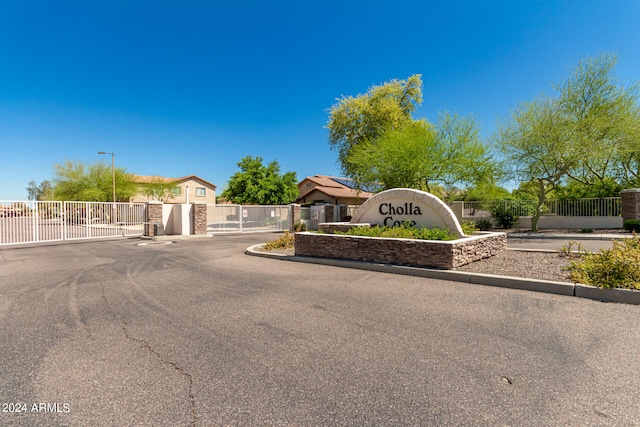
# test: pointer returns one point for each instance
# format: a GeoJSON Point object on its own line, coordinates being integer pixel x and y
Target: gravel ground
{"type": "Point", "coordinates": [530, 265]}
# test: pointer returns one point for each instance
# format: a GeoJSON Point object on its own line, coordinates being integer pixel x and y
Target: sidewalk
{"type": "Point", "coordinates": [553, 240]}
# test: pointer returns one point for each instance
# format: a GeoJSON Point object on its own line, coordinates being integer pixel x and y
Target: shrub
{"type": "Point", "coordinates": [283, 242]}
{"type": "Point", "coordinates": [299, 226]}
{"type": "Point", "coordinates": [405, 231]}
{"type": "Point", "coordinates": [505, 216]}
{"type": "Point", "coordinates": [632, 225]}
{"type": "Point", "coordinates": [468, 227]}
{"type": "Point", "coordinates": [573, 249]}
{"type": "Point", "coordinates": [484, 224]}
{"type": "Point", "coordinates": [618, 267]}
{"type": "Point", "coordinates": [586, 230]}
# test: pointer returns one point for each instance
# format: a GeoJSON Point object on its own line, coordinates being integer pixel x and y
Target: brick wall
{"type": "Point", "coordinates": [417, 253]}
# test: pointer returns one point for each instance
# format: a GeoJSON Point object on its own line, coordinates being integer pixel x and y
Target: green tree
{"type": "Point", "coordinates": [257, 184]}
{"type": "Point", "coordinates": [581, 134]}
{"type": "Point", "coordinates": [159, 188]}
{"type": "Point", "coordinates": [604, 118]}
{"type": "Point", "coordinates": [423, 156]}
{"type": "Point", "coordinates": [44, 191]}
{"type": "Point", "coordinates": [538, 148]}
{"type": "Point", "coordinates": [92, 183]}
{"type": "Point", "coordinates": [364, 118]}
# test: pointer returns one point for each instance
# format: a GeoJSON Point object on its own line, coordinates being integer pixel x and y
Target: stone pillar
{"type": "Point", "coordinates": [630, 204]}
{"type": "Point", "coordinates": [458, 209]}
{"type": "Point", "coordinates": [154, 216]}
{"type": "Point", "coordinates": [328, 213]}
{"type": "Point", "coordinates": [199, 218]}
{"type": "Point", "coordinates": [342, 212]}
{"type": "Point", "coordinates": [295, 215]}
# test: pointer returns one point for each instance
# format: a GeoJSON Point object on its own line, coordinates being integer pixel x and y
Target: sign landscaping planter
{"type": "Point", "coordinates": [393, 208]}
{"type": "Point", "coordinates": [411, 252]}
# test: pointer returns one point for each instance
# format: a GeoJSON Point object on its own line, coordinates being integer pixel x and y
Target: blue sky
{"type": "Point", "coordinates": [179, 88]}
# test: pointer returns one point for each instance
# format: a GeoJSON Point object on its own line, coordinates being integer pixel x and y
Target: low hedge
{"type": "Point", "coordinates": [618, 267]}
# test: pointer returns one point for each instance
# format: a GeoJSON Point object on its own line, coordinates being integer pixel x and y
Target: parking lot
{"type": "Point", "coordinates": [197, 333]}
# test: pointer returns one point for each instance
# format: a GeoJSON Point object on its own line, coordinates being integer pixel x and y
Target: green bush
{"type": "Point", "coordinates": [505, 216]}
{"type": "Point", "coordinates": [484, 224]}
{"type": "Point", "coordinates": [618, 267]}
{"type": "Point", "coordinates": [283, 242]}
{"type": "Point", "coordinates": [468, 227]}
{"type": "Point", "coordinates": [405, 231]}
{"type": "Point", "coordinates": [632, 225]}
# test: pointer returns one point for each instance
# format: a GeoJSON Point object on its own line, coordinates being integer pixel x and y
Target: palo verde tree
{"type": "Point", "coordinates": [257, 184]}
{"type": "Point", "coordinates": [425, 156]}
{"type": "Point", "coordinates": [364, 118]}
{"type": "Point", "coordinates": [159, 188]}
{"type": "Point", "coordinates": [379, 142]}
{"type": "Point", "coordinates": [582, 134]}
{"type": "Point", "coordinates": [538, 148]}
{"type": "Point", "coordinates": [604, 118]}
{"type": "Point", "coordinates": [92, 183]}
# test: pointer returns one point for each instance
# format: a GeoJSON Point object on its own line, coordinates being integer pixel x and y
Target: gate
{"type": "Point", "coordinates": [242, 218]}
{"type": "Point", "coordinates": [90, 220]}
{"type": "Point", "coordinates": [40, 221]}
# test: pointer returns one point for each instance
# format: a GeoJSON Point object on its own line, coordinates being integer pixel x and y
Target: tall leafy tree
{"type": "Point", "coordinates": [159, 188]}
{"type": "Point", "coordinates": [257, 184]}
{"type": "Point", "coordinates": [425, 156]}
{"type": "Point", "coordinates": [93, 183]}
{"type": "Point", "coordinates": [603, 116]}
{"type": "Point", "coordinates": [364, 118]}
{"type": "Point", "coordinates": [538, 147]}
{"type": "Point", "coordinates": [587, 133]}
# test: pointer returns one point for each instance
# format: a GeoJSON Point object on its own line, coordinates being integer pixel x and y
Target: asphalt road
{"type": "Point", "coordinates": [197, 333]}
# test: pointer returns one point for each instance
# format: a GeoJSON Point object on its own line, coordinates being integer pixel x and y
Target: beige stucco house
{"type": "Point", "coordinates": [332, 190]}
{"type": "Point", "coordinates": [188, 189]}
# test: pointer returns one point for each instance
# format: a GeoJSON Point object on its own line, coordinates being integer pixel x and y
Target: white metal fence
{"type": "Point", "coordinates": [602, 207]}
{"type": "Point", "coordinates": [44, 221]}
{"type": "Point", "coordinates": [242, 218]}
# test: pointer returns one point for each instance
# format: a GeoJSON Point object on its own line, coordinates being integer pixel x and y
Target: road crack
{"type": "Point", "coordinates": [124, 326]}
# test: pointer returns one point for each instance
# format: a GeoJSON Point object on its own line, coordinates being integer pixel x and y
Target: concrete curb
{"type": "Point", "coordinates": [568, 236]}
{"type": "Point", "coordinates": [625, 296]}
{"type": "Point", "coordinates": [175, 237]}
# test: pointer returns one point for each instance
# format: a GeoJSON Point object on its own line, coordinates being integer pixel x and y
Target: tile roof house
{"type": "Point", "coordinates": [329, 189]}
{"type": "Point", "coordinates": [198, 189]}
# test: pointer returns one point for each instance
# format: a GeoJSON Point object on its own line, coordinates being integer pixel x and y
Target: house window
{"type": "Point", "coordinates": [176, 191]}
{"type": "Point", "coordinates": [201, 191]}
{"type": "Point", "coordinates": [309, 185]}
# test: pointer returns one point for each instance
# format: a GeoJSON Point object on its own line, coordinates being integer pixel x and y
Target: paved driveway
{"type": "Point", "coordinates": [197, 333]}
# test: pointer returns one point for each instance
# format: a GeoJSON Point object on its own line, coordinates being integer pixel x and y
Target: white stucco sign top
{"type": "Point", "coordinates": [393, 207]}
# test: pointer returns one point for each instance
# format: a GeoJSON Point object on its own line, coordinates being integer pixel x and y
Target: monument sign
{"type": "Point", "coordinates": [394, 207]}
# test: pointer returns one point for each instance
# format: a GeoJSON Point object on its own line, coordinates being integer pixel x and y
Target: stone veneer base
{"type": "Point", "coordinates": [417, 253]}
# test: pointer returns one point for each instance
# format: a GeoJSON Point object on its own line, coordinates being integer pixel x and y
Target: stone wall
{"type": "Point", "coordinates": [199, 218]}
{"type": "Point", "coordinates": [154, 216]}
{"type": "Point", "coordinates": [417, 253]}
{"type": "Point", "coordinates": [630, 203]}
{"type": "Point", "coordinates": [295, 215]}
